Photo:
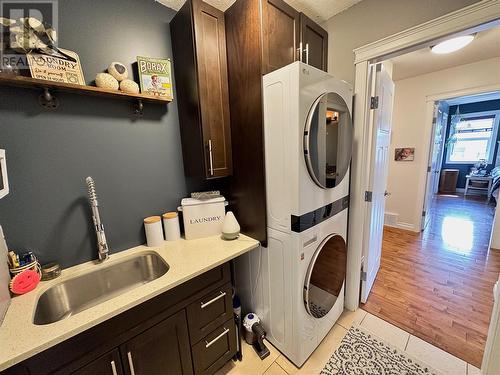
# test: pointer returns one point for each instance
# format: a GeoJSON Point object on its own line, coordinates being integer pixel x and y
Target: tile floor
{"type": "Point", "coordinates": [277, 364]}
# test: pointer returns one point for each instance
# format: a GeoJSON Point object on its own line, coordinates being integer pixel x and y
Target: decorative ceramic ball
{"type": "Point", "coordinates": [118, 70]}
{"type": "Point", "coordinates": [127, 85]}
{"type": "Point", "coordinates": [106, 81]}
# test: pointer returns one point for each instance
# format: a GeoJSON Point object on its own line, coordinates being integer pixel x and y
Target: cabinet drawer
{"type": "Point", "coordinates": [209, 312]}
{"type": "Point", "coordinates": [215, 349]}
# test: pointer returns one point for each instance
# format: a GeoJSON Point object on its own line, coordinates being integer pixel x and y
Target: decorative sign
{"type": "Point", "coordinates": [65, 68]}
{"type": "Point", "coordinates": [155, 76]}
{"type": "Point", "coordinates": [404, 154]}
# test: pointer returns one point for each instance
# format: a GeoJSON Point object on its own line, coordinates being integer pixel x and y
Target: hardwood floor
{"type": "Point", "coordinates": [438, 284]}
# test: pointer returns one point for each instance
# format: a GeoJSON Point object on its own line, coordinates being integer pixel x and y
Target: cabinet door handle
{"type": "Point", "coordinates": [113, 368]}
{"type": "Point", "coordinates": [205, 304]}
{"type": "Point", "coordinates": [130, 363]}
{"type": "Point", "coordinates": [209, 344]}
{"type": "Point", "coordinates": [210, 157]}
{"type": "Point", "coordinates": [299, 50]}
{"type": "Point", "coordinates": [307, 53]}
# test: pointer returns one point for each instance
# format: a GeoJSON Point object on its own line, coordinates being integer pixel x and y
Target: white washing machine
{"type": "Point", "coordinates": [296, 284]}
{"type": "Point", "coordinates": [303, 281]}
{"type": "Point", "coordinates": [308, 143]}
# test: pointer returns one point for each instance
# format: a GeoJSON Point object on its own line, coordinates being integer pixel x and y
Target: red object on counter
{"type": "Point", "coordinates": [24, 282]}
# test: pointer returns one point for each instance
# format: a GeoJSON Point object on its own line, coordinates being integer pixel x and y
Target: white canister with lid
{"type": "Point", "coordinates": [154, 231]}
{"type": "Point", "coordinates": [202, 217]}
{"type": "Point", "coordinates": [171, 226]}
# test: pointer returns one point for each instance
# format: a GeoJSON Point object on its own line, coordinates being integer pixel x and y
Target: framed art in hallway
{"type": "Point", "coordinates": [404, 154]}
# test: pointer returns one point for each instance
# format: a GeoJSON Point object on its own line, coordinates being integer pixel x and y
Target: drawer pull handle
{"type": "Point", "coordinates": [130, 363]}
{"type": "Point", "coordinates": [209, 344]}
{"type": "Point", "coordinates": [205, 304]}
{"type": "Point", "coordinates": [113, 368]}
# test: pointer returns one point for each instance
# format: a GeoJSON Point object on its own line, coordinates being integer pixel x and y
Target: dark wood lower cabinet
{"type": "Point", "coordinates": [217, 348]}
{"type": "Point", "coordinates": [108, 364]}
{"type": "Point", "coordinates": [186, 330]}
{"type": "Point", "coordinates": [162, 349]}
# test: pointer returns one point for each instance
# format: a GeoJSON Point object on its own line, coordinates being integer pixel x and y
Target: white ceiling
{"type": "Point", "coordinates": [318, 10]}
{"type": "Point", "coordinates": [484, 46]}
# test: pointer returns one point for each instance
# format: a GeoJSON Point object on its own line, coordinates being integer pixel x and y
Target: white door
{"type": "Point", "coordinates": [380, 118]}
{"type": "Point", "coordinates": [439, 121]}
{"type": "Point", "coordinates": [442, 134]}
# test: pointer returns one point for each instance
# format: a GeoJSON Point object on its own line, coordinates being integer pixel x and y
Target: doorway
{"type": "Point", "coordinates": [435, 268]}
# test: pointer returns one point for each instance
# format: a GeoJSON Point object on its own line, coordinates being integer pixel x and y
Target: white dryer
{"type": "Point", "coordinates": [303, 281]}
{"type": "Point", "coordinates": [308, 136]}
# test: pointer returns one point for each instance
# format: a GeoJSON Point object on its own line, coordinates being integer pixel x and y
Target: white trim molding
{"type": "Point", "coordinates": [492, 141]}
{"type": "Point", "coordinates": [479, 90]}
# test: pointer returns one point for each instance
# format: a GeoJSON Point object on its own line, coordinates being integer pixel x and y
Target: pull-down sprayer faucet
{"type": "Point", "coordinates": [102, 245]}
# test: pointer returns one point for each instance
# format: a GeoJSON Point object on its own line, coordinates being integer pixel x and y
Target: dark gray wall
{"type": "Point", "coordinates": [137, 164]}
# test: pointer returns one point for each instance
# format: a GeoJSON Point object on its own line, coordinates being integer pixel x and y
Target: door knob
{"type": "Point", "coordinates": [386, 193]}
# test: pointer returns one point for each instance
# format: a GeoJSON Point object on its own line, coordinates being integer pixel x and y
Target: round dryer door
{"type": "Point", "coordinates": [325, 276]}
{"type": "Point", "coordinates": [328, 137]}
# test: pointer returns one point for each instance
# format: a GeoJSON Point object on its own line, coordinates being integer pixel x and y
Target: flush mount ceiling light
{"type": "Point", "coordinates": [452, 45]}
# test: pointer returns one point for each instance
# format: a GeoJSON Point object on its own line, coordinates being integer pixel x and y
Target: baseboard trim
{"type": "Point", "coordinates": [404, 226]}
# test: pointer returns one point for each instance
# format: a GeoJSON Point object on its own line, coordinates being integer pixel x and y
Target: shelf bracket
{"type": "Point", "coordinates": [139, 108]}
{"type": "Point", "coordinates": [48, 100]}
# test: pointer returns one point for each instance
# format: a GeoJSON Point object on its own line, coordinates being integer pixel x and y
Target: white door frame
{"type": "Point", "coordinates": [473, 18]}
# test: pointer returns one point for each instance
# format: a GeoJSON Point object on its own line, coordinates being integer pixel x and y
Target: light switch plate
{"type": "Point", "coordinates": [4, 180]}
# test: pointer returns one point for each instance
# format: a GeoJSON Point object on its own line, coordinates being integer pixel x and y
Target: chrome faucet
{"type": "Point", "coordinates": [102, 245]}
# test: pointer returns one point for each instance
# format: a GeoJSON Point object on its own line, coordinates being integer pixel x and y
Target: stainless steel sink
{"type": "Point", "coordinates": [107, 281]}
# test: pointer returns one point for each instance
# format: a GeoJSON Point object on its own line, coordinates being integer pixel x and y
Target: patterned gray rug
{"type": "Point", "coordinates": [360, 353]}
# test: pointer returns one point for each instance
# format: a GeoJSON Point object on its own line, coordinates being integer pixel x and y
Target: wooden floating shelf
{"type": "Point", "coordinates": [53, 87]}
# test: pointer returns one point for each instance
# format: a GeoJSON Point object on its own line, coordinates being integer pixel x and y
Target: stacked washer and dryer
{"type": "Point", "coordinates": [299, 279]}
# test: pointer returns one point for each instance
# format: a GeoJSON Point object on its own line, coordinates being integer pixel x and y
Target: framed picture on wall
{"type": "Point", "coordinates": [404, 154]}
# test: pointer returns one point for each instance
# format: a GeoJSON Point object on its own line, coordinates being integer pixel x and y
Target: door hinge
{"type": "Point", "coordinates": [429, 169]}
{"type": "Point", "coordinates": [368, 196]}
{"type": "Point", "coordinates": [363, 276]}
{"type": "Point", "coordinates": [374, 102]}
{"type": "Point", "coordinates": [423, 213]}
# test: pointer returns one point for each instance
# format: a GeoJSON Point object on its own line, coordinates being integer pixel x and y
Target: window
{"type": "Point", "coordinates": [474, 139]}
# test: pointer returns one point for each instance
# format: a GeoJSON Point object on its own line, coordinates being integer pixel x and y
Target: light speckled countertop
{"type": "Point", "coordinates": [21, 339]}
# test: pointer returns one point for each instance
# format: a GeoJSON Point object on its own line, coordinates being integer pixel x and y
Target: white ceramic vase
{"type": "Point", "coordinates": [230, 227]}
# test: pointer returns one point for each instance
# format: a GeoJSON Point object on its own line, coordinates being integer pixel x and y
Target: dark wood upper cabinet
{"type": "Point", "coordinates": [262, 36]}
{"type": "Point", "coordinates": [314, 42]}
{"type": "Point", "coordinates": [162, 349]}
{"type": "Point", "coordinates": [200, 67]}
{"type": "Point", "coordinates": [281, 33]}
